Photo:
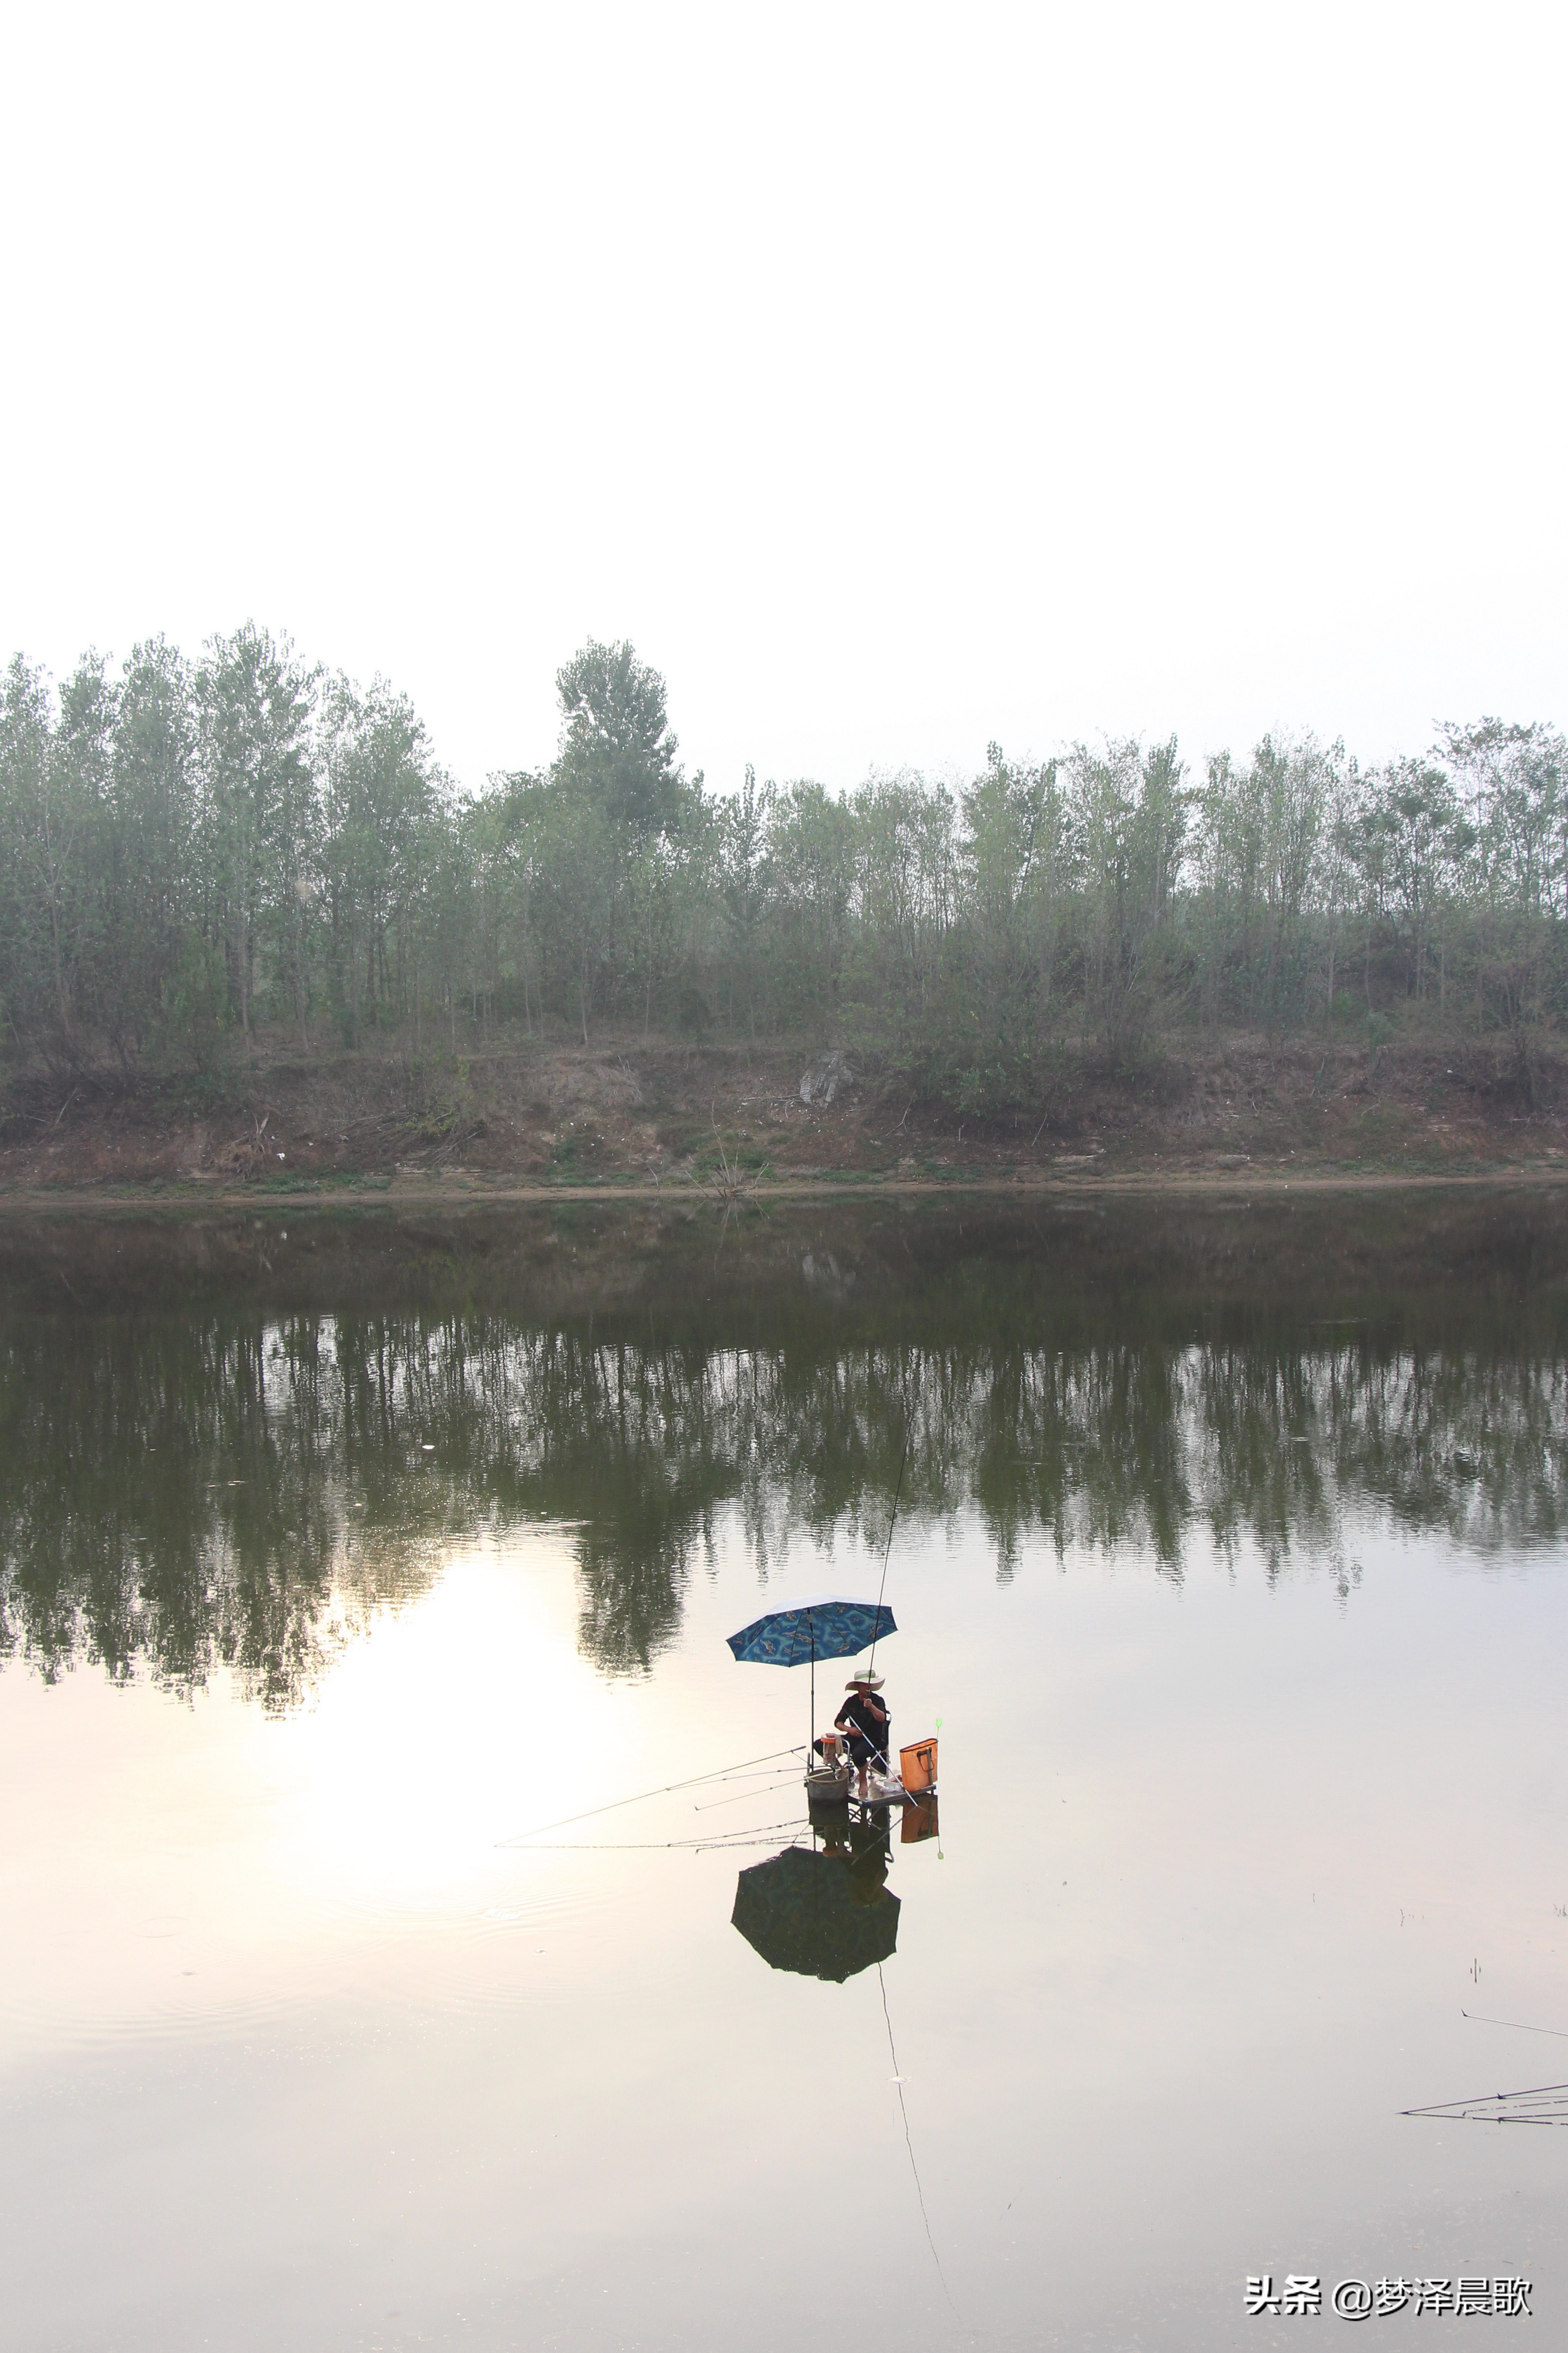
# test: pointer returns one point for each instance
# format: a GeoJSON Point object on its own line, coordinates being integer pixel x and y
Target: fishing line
{"type": "Point", "coordinates": [719, 1773]}
{"type": "Point", "coordinates": [908, 2144]}
{"type": "Point", "coordinates": [892, 1524]}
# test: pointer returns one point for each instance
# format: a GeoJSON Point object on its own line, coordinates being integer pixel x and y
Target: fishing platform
{"type": "Point", "coordinates": [833, 1782]}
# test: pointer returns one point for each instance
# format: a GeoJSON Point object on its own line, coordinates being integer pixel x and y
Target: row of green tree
{"type": "Point", "coordinates": [190, 850]}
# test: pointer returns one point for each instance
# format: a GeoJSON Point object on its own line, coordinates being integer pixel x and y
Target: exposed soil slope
{"type": "Point", "coordinates": [554, 1117]}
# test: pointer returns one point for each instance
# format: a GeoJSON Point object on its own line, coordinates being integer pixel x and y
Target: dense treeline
{"type": "Point", "coordinates": [190, 850]}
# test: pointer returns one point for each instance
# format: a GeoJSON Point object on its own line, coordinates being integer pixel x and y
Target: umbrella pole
{"type": "Point", "coordinates": [812, 1750]}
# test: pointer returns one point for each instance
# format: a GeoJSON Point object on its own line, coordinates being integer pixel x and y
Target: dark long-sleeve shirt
{"type": "Point", "coordinates": [867, 1722]}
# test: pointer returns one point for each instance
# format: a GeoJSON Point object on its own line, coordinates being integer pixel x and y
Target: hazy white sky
{"type": "Point", "coordinates": [895, 377]}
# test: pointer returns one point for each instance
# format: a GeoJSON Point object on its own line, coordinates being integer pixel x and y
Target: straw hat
{"type": "Point", "coordinates": [864, 1683]}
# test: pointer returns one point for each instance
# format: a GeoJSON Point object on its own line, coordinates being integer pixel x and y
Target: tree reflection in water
{"type": "Point", "coordinates": [240, 1479]}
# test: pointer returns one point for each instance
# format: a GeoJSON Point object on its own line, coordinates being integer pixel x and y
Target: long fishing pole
{"type": "Point", "coordinates": [1452, 2108]}
{"type": "Point", "coordinates": [664, 1790]}
{"type": "Point", "coordinates": [1477, 2020]}
{"type": "Point", "coordinates": [779, 1781]}
{"type": "Point", "coordinates": [750, 1834]}
{"type": "Point", "coordinates": [888, 1547]}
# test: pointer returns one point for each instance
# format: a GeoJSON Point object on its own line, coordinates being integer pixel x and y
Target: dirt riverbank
{"type": "Point", "coordinates": [626, 1117]}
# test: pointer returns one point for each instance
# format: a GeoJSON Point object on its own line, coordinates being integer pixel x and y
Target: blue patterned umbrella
{"type": "Point", "coordinates": [817, 1626]}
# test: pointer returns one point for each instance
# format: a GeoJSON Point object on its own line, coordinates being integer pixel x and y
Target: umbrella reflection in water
{"type": "Point", "coordinates": [822, 1913]}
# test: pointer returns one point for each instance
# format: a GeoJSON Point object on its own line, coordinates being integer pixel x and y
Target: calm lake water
{"type": "Point", "coordinates": [344, 1556]}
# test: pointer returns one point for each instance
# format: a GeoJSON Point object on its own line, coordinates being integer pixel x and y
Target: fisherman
{"type": "Point", "coordinates": [864, 1716]}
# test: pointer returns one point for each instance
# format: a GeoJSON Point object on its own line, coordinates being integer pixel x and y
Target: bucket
{"type": "Point", "coordinates": [917, 1766]}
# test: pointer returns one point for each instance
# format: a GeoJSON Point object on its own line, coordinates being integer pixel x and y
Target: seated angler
{"type": "Point", "coordinates": [864, 1716]}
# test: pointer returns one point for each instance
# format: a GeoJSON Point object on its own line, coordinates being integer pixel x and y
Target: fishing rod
{"type": "Point", "coordinates": [750, 1834]}
{"type": "Point", "coordinates": [778, 1782]}
{"type": "Point", "coordinates": [1477, 2020]}
{"type": "Point", "coordinates": [719, 1773]}
{"type": "Point", "coordinates": [1465, 2111]}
